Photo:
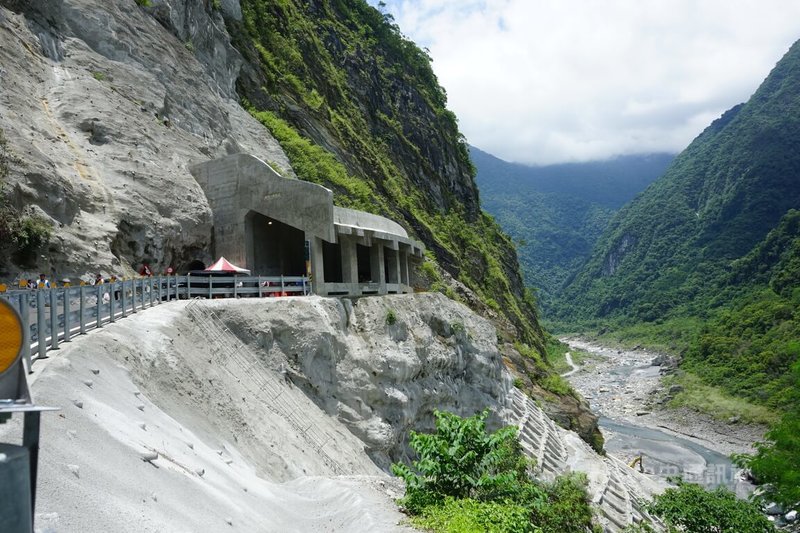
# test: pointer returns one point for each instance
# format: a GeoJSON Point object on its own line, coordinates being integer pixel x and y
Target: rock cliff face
{"type": "Point", "coordinates": [108, 103]}
{"type": "Point", "coordinates": [106, 109]}
{"type": "Point", "coordinates": [380, 365]}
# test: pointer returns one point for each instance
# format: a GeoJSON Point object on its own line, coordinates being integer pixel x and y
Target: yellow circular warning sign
{"type": "Point", "coordinates": [11, 335]}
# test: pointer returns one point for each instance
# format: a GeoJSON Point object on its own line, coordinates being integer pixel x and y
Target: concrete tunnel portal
{"type": "Point", "coordinates": [277, 226]}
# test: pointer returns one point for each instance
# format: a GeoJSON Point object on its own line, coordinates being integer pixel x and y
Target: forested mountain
{"type": "Point", "coordinates": [673, 244]}
{"type": "Point", "coordinates": [556, 213]}
{"type": "Point", "coordinates": [706, 258]}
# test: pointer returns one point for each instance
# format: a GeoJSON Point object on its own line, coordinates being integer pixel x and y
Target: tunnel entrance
{"type": "Point", "coordinates": [191, 266]}
{"type": "Point", "coordinates": [274, 248]}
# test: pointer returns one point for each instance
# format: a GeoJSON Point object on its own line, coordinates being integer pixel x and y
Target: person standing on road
{"type": "Point", "coordinates": [44, 283]}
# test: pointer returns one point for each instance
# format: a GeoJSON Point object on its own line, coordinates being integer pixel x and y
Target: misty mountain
{"type": "Point", "coordinates": [556, 213]}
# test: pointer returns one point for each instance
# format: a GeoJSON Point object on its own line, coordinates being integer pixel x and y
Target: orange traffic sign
{"type": "Point", "coordinates": [11, 336]}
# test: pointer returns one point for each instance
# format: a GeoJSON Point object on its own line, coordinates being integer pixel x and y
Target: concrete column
{"type": "Point", "coordinates": [404, 267]}
{"type": "Point", "coordinates": [393, 274]}
{"type": "Point", "coordinates": [349, 263]}
{"type": "Point", "coordinates": [317, 266]}
{"type": "Point", "coordinates": [376, 266]}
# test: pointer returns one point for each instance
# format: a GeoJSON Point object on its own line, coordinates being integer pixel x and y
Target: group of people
{"type": "Point", "coordinates": [44, 283]}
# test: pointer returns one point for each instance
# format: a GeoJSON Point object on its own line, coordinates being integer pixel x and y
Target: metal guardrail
{"type": "Point", "coordinates": [52, 316]}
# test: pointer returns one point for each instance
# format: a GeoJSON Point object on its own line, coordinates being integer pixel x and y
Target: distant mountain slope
{"type": "Point", "coordinates": [557, 212]}
{"type": "Point", "coordinates": [719, 198]}
{"type": "Point", "coordinates": [611, 183]}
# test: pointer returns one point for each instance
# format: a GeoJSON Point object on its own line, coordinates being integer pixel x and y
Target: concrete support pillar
{"type": "Point", "coordinates": [376, 266]}
{"type": "Point", "coordinates": [317, 266]}
{"type": "Point", "coordinates": [404, 267]}
{"type": "Point", "coordinates": [393, 273]}
{"type": "Point", "coordinates": [349, 263]}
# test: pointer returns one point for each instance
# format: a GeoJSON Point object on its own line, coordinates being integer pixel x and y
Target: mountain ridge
{"type": "Point", "coordinates": [555, 213]}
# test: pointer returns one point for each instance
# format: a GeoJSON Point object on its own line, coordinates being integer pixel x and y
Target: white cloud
{"type": "Point", "coordinates": [544, 81]}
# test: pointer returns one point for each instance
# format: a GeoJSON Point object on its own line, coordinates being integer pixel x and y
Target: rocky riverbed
{"type": "Point", "coordinates": [624, 388]}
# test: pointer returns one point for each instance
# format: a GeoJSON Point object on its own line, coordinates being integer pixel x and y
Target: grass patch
{"type": "Point", "coordinates": [467, 516]}
{"type": "Point", "coordinates": [673, 335]}
{"type": "Point", "coordinates": [701, 397]}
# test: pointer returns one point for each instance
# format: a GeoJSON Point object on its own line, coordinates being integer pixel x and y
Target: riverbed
{"type": "Point", "coordinates": [620, 386]}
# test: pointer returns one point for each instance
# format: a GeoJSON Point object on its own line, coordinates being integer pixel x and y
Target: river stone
{"type": "Point", "coordinates": [791, 516]}
{"type": "Point", "coordinates": [773, 509]}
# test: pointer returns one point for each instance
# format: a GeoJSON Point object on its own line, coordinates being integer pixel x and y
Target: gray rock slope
{"type": "Point", "coordinates": [279, 414]}
{"type": "Point", "coordinates": [108, 106]}
{"type": "Point", "coordinates": [380, 366]}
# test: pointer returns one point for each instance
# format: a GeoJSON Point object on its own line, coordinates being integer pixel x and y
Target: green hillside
{"type": "Point", "coordinates": [705, 261]}
{"type": "Point", "coordinates": [357, 108]}
{"type": "Point", "coordinates": [664, 253]}
{"type": "Point", "coordinates": [556, 213]}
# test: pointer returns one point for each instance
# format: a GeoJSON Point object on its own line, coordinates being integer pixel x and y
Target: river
{"type": "Point", "coordinates": [619, 386]}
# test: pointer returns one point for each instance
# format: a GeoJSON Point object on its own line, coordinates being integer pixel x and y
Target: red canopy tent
{"type": "Point", "coordinates": [224, 266]}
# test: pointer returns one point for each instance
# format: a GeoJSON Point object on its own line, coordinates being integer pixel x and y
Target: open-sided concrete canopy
{"type": "Point", "coordinates": [279, 226]}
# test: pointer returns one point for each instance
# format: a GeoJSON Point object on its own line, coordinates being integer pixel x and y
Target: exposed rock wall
{"type": "Point", "coordinates": [382, 365]}
{"type": "Point", "coordinates": [108, 106]}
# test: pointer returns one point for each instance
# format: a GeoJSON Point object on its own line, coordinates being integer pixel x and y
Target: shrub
{"type": "Point", "coordinates": [391, 317]}
{"type": "Point", "coordinates": [461, 460]}
{"type": "Point", "coordinates": [692, 509]}
{"type": "Point", "coordinates": [468, 516]}
{"type": "Point", "coordinates": [466, 479]}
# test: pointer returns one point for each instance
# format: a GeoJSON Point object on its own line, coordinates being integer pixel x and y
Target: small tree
{"type": "Point", "coordinates": [692, 509]}
{"type": "Point", "coordinates": [461, 460]}
{"type": "Point", "coordinates": [777, 462]}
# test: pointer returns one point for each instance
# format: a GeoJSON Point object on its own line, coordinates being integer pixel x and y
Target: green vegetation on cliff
{"type": "Point", "coordinates": [21, 235]}
{"type": "Point", "coordinates": [357, 108]}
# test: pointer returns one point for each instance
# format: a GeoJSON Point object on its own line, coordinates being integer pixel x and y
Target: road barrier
{"type": "Point", "coordinates": [55, 315]}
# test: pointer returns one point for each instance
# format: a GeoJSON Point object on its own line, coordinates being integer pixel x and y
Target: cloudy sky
{"type": "Point", "coordinates": [547, 81]}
